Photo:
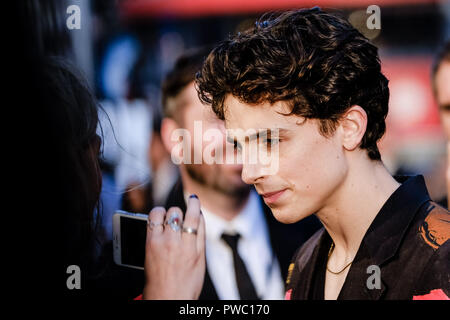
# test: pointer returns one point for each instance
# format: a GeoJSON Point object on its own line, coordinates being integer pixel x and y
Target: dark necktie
{"type": "Point", "coordinates": [244, 282]}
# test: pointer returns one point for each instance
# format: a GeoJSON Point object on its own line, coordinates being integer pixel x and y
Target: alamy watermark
{"type": "Point", "coordinates": [374, 280]}
{"type": "Point", "coordinates": [254, 147]}
{"type": "Point", "coordinates": [74, 19]}
{"type": "Point", "coordinates": [374, 20]}
{"type": "Point", "coordinates": [74, 279]}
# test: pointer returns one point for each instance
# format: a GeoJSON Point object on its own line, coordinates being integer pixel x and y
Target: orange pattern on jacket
{"type": "Point", "coordinates": [435, 230]}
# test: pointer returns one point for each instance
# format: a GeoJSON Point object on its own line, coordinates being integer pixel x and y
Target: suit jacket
{"type": "Point", "coordinates": [284, 238]}
{"type": "Point", "coordinates": [408, 241]}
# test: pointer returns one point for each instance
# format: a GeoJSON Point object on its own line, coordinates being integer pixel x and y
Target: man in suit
{"type": "Point", "coordinates": [247, 250]}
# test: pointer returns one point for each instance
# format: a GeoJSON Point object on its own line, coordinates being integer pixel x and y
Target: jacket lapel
{"type": "Point", "coordinates": [176, 197]}
{"type": "Point", "coordinates": [208, 291]}
{"type": "Point", "coordinates": [359, 283]}
{"type": "Point", "coordinates": [302, 277]}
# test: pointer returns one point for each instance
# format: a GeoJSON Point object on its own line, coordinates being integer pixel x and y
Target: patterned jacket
{"type": "Point", "coordinates": [404, 254]}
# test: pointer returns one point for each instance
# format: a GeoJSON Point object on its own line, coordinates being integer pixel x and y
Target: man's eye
{"type": "Point", "coordinates": [271, 141]}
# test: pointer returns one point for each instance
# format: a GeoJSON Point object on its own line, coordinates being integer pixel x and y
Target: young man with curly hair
{"type": "Point", "coordinates": [317, 81]}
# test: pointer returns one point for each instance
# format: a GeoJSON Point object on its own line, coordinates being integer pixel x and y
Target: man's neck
{"type": "Point", "coordinates": [352, 208]}
{"type": "Point", "coordinates": [221, 204]}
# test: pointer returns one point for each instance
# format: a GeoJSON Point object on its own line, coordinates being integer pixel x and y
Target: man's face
{"type": "Point", "coordinates": [224, 178]}
{"type": "Point", "coordinates": [311, 166]}
{"type": "Point", "coordinates": [442, 83]}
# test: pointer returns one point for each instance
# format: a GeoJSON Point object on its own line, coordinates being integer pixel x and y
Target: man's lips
{"type": "Point", "coordinates": [271, 197]}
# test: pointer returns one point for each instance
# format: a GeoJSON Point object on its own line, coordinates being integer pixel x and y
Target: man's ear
{"type": "Point", "coordinates": [353, 125]}
{"type": "Point", "coordinates": [168, 126]}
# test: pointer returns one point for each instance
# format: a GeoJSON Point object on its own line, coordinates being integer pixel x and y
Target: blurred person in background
{"type": "Point", "coordinates": [67, 174]}
{"type": "Point", "coordinates": [62, 211]}
{"type": "Point", "coordinates": [247, 250]}
{"type": "Point", "coordinates": [143, 198]}
{"type": "Point", "coordinates": [73, 120]}
{"type": "Point", "coordinates": [441, 87]}
{"type": "Point", "coordinates": [59, 114]}
{"type": "Point", "coordinates": [126, 124]}
{"type": "Point", "coordinates": [164, 171]}
{"type": "Point", "coordinates": [126, 127]}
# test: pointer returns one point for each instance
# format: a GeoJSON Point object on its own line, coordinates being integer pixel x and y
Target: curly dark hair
{"type": "Point", "coordinates": [315, 61]}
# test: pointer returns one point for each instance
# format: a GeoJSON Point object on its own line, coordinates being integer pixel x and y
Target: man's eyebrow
{"type": "Point", "coordinates": [267, 132]}
{"type": "Point", "coordinates": [260, 133]}
{"type": "Point", "coordinates": [445, 107]}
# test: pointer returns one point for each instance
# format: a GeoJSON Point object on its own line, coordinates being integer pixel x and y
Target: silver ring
{"type": "Point", "coordinates": [151, 224]}
{"type": "Point", "coordinates": [189, 230]}
{"type": "Point", "coordinates": [174, 222]}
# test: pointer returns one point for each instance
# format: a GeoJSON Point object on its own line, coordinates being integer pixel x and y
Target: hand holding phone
{"type": "Point", "coordinates": [175, 253]}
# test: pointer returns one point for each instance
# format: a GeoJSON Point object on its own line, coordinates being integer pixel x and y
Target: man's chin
{"type": "Point", "coordinates": [285, 216]}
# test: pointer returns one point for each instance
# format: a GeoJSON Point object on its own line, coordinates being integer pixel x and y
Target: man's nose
{"type": "Point", "coordinates": [251, 173]}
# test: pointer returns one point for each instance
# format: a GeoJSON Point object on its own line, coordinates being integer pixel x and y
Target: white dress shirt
{"type": "Point", "coordinates": [254, 248]}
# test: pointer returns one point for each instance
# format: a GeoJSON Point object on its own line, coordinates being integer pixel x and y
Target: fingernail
{"type": "Point", "coordinates": [193, 196]}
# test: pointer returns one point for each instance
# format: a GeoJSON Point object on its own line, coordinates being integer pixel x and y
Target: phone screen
{"type": "Point", "coordinates": [133, 234]}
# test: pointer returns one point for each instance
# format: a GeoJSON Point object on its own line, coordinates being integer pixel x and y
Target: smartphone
{"type": "Point", "coordinates": [129, 235]}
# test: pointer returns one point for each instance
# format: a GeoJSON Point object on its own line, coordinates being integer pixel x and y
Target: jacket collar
{"type": "Point", "coordinates": [389, 227]}
{"type": "Point", "coordinates": [384, 236]}
{"type": "Point", "coordinates": [380, 243]}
